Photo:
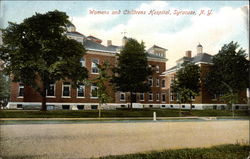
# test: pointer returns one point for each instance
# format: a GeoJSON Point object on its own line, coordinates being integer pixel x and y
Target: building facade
{"type": "Point", "coordinates": [205, 100]}
{"type": "Point", "coordinates": [61, 95]}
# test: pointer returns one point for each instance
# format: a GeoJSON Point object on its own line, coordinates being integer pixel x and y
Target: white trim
{"type": "Point", "coordinates": [122, 100]}
{"type": "Point", "coordinates": [83, 92]}
{"type": "Point", "coordinates": [20, 86]}
{"type": "Point", "coordinates": [69, 90]}
{"type": "Point", "coordinates": [162, 97]}
{"type": "Point", "coordinates": [81, 62]}
{"type": "Point", "coordinates": [152, 97]}
{"type": "Point", "coordinates": [164, 83]}
{"type": "Point", "coordinates": [158, 96]}
{"type": "Point", "coordinates": [91, 92]}
{"type": "Point", "coordinates": [88, 49]}
{"type": "Point", "coordinates": [54, 96]}
{"type": "Point", "coordinates": [92, 65]}
{"type": "Point", "coordinates": [140, 97]}
{"type": "Point", "coordinates": [157, 82]}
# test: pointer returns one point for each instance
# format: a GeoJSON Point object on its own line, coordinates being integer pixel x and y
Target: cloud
{"type": "Point", "coordinates": [176, 33]}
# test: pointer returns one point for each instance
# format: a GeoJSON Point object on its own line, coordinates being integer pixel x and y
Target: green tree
{"type": "Point", "coordinates": [4, 90]}
{"type": "Point", "coordinates": [101, 82]}
{"type": "Point", "coordinates": [187, 83]}
{"type": "Point", "coordinates": [230, 73]}
{"type": "Point", "coordinates": [132, 70]}
{"type": "Point", "coordinates": [37, 52]}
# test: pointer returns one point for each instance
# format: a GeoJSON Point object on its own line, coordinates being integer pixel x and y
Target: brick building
{"type": "Point", "coordinates": [61, 95]}
{"type": "Point", "coordinates": [204, 100]}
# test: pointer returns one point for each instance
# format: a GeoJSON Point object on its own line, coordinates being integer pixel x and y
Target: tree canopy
{"type": "Point", "coordinates": [187, 83]}
{"type": "Point", "coordinates": [37, 52]}
{"type": "Point", "coordinates": [4, 89]}
{"type": "Point", "coordinates": [132, 70]}
{"type": "Point", "coordinates": [230, 72]}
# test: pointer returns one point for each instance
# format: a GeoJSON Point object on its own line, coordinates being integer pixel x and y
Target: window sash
{"type": "Point", "coordinates": [81, 91]}
{"type": "Point", "coordinates": [94, 91]}
{"type": "Point", "coordinates": [51, 90]}
{"type": "Point", "coordinates": [21, 91]}
{"type": "Point", "coordinates": [66, 90]}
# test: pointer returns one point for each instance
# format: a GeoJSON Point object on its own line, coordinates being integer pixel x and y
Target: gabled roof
{"type": "Point", "coordinates": [75, 33]}
{"type": "Point", "coordinates": [202, 57]}
{"type": "Point", "coordinates": [92, 45]}
{"type": "Point", "coordinates": [92, 37]}
{"type": "Point", "coordinates": [158, 47]}
{"type": "Point", "coordinates": [114, 47]}
{"type": "Point", "coordinates": [199, 58]}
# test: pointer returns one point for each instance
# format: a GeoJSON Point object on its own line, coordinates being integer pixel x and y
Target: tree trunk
{"type": "Point", "coordinates": [99, 108]}
{"type": "Point", "coordinates": [191, 105]}
{"type": "Point", "coordinates": [44, 107]}
{"type": "Point", "coordinates": [180, 110]}
{"type": "Point", "coordinates": [131, 100]}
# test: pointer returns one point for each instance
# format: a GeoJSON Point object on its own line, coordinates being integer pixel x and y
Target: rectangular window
{"type": "Point", "coordinates": [122, 96]}
{"type": "Point", "coordinates": [94, 106]}
{"type": "Point", "coordinates": [163, 97]}
{"type": "Point", "coordinates": [19, 106]}
{"type": "Point", "coordinates": [81, 91]}
{"type": "Point", "coordinates": [65, 107]}
{"type": "Point", "coordinates": [163, 83]}
{"type": "Point", "coordinates": [82, 62]}
{"type": "Point", "coordinates": [50, 107]}
{"type": "Point", "coordinates": [214, 96]}
{"type": "Point", "coordinates": [150, 96]}
{"type": "Point", "coordinates": [94, 91]}
{"type": "Point", "coordinates": [80, 107]}
{"type": "Point", "coordinates": [94, 66]}
{"type": "Point", "coordinates": [21, 90]}
{"type": "Point", "coordinates": [157, 96]}
{"type": "Point", "coordinates": [66, 89]}
{"type": "Point", "coordinates": [157, 82]}
{"type": "Point", "coordinates": [141, 96]}
{"type": "Point", "coordinates": [51, 90]}
{"type": "Point", "coordinates": [150, 82]}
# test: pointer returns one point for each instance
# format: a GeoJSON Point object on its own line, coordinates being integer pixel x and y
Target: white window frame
{"type": "Point", "coordinates": [152, 96]}
{"type": "Point", "coordinates": [163, 81]}
{"type": "Point", "coordinates": [54, 85]}
{"type": "Point", "coordinates": [171, 97]}
{"type": "Point", "coordinates": [82, 62]}
{"type": "Point", "coordinates": [157, 95]}
{"type": "Point", "coordinates": [93, 65]}
{"type": "Point", "coordinates": [157, 82]}
{"type": "Point", "coordinates": [69, 85]}
{"type": "Point", "coordinates": [83, 91]}
{"type": "Point", "coordinates": [163, 94]}
{"type": "Point", "coordinates": [152, 81]}
{"type": "Point", "coordinates": [92, 88]}
{"type": "Point", "coordinates": [142, 96]}
{"type": "Point", "coordinates": [124, 94]}
{"type": "Point", "coordinates": [21, 86]}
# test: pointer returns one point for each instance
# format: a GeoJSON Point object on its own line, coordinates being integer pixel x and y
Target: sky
{"type": "Point", "coordinates": [220, 22]}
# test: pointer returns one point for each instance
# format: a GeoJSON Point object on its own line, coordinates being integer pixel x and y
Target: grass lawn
{"type": "Point", "coordinates": [116, 113]}
{"type": "Point", "coordinates": [215, 152]}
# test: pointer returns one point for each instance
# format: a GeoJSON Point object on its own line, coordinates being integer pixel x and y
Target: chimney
{"type": "Point", "coordinates": [109, 42]}
{"type": "Point", "coordinates": [189, 53]}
